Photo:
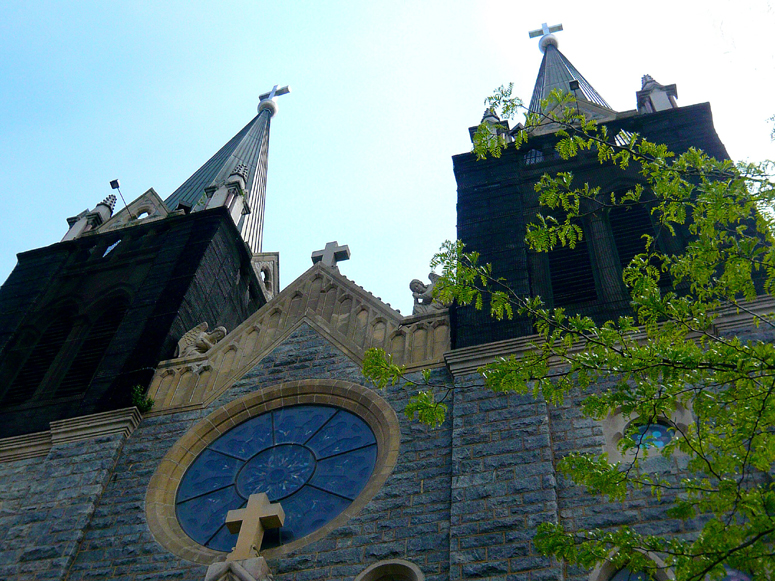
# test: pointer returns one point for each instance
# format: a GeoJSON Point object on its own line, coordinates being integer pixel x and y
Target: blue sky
{"type": "Point", "coordinates": [383, 95]}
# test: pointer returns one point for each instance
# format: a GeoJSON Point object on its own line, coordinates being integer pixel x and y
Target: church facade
{"type": "Point", "coordinates": [275, 402]}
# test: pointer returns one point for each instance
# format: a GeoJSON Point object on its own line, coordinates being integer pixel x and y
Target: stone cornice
{"type": "Point", "coordinates": [122, 421]}
{"type": "Point", "coordinates": [469, 359]}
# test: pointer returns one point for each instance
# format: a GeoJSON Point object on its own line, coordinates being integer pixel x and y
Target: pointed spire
{"type": "Point", "coordinates": [556, 72]}
{"type": "Point", "coordinates": [245, 157]}
{"type": "Point", "coordinates": [654, 96]}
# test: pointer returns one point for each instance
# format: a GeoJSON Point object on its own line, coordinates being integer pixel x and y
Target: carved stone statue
{"type": "Point", "coordinates": [423, 296]}
{"type": "Point", "coordinates": [198, 341]}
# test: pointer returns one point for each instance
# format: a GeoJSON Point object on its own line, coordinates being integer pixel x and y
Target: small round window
{"type": "Point", "coordinates": [313, 459]}
{"type": "Point", "coordinates": [653, 436]}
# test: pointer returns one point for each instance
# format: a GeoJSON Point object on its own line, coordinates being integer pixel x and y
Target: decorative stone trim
{"type": "Point", "coordinates": [26, 446]}
{"type": "Point", "coordinates": [123, 421]}
{"type": "Point", "coordinates": [162, 489]}
{"type": "Point", "coordinates": [391, 569]}
{"type": "Point", "coordinates": [342, 312]}
{"type": "Point", "coordinates": [469, 359]}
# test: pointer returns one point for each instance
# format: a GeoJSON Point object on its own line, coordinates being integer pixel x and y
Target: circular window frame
{"type": "Point", "coordinates": [163, 486]}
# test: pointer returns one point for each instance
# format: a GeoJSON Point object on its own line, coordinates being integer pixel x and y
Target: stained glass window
{"type": "Point", "coordinates": [653, 435]}
{"type": "Point", "coordinates": [628, 575]}
{"type": "Point", "coordinates": [313, 459]}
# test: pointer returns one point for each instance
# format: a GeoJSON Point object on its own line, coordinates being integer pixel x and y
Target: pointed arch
{"type": "Point", "coordinates": [35, 357]}
{"type": "Point", "coordinates": [105, 322]}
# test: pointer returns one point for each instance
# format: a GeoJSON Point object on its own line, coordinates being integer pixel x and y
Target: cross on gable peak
{"type": "Point", "coordinates": [331, 254]}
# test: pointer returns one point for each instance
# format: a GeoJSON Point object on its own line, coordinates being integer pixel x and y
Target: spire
{"type": "Point", "coordinates": [240, 167]}
{"type": "Point", "coordinates": [557, 72]}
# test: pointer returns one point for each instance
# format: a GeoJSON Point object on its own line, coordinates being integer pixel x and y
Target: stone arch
{"type": "Point", "coordinates": [393, 569]}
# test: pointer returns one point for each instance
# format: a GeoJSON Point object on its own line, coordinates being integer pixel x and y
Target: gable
{"type": "Point", "coordinates": [147, 207]}
{"type": "Point", "coordinates": [344, 314]}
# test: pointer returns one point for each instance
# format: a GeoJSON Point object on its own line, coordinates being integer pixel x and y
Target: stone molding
{"type": "Point", "coordinates": [247, 570]}
{"type": "Point", "coordinates": [123, 421]}
{"type": "Point", "coordinates": [163, 486]}
{"type": "Point", "coordinates": [345, 314]}
{"type": "Point", "coordinates": [470, 359]}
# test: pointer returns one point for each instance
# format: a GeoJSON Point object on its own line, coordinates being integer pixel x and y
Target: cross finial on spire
{"type": "Point", "coordinates": [267, 100]}
{"type": "Point", "coordinates": [545, 32]}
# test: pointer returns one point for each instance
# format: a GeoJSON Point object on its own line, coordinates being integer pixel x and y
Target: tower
{"type": "Point", "coordinates": [588, 278]}
{"type": "Point", "coordinates": [87, 319]}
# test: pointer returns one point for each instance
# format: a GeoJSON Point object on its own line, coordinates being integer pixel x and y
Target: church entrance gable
{"type": "Point", "coordinates": [347, 316]}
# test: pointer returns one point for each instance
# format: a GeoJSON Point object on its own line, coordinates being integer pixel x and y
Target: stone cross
{"type": "Point", "coordinates": [331, 254]}
{"type": "Point", "coordinates": [545, 30]}
{"type": "Point", "coordinates": [275, 92]}
{"type": "Point", "coordinates": [251, 522]}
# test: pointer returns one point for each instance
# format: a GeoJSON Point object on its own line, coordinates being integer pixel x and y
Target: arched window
{"type": "Point", "coordinates": [84, 365]}
{"type": "Point", "coordinates": [40, 359]}
{"type": "Point", "coordinates": [573, 280]}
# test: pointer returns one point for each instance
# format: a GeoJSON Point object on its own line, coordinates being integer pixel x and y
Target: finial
{"type": "Point", "coordinates": [241, 170]}
{"type": "Point", "coordinates": [547, 38]}
{"type": "Point", "coordinates": [490, 116]}
{"type": "Point", "coordinates": [267, 100]}
{"type": "Point", "coordinates": [110, 202]}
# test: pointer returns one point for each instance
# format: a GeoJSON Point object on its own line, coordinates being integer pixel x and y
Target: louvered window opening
{"type": "Point", "coordinates": [37, 364]}
{"type": "Point", "coordinates": [91, 352]}
{"type": "Point", "coordinates": [628, 225]}
{"type": "Point", "coordinates": [571, 273]}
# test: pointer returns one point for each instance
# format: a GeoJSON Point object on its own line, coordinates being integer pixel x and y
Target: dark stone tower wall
{"type": "Point", "coordinates": [496, 200]}
{"type": "Point", "coordinates": [172, 274]}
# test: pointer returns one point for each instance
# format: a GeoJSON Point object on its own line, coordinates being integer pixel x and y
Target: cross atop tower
{"type": "Point", "coordinates": [267, 100]}
{"type": "Point", "coordinates": [545, 32]}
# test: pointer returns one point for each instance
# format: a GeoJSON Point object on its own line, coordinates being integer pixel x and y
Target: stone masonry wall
{"type": "Point", "coordinates": [407, 519]}
{"type": "Point", "coordinates": [46, 503]}
{"type": "Point", "coordinates": [503, 484]}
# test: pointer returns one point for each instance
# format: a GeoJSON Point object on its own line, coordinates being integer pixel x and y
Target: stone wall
{"type": "Point", "coordinates": [46, 504]}
{"type": "Point", "coordinates": [408, 518]}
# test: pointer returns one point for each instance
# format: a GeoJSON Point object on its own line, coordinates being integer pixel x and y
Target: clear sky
{"type": "Point", "coordinates": [383, 95]}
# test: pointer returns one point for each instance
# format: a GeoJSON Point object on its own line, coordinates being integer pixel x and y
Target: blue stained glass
{"type": "Point", "coordinates": [735, 575]}
{"type": "Point", "coordinates": [248, 439]}
{"type": "Point", "coordinates": [654, 435]}
{"type": "Point", "coordinates": [342, 433]}
{"type": "Point", "coordinates": [347, 473]}
{"type": "Point", "coordinates": [210, 471]}
{"type": "Point", "coordinates": [223, 540]}
{"type": "Point", "coordinates": [279, 472]}
{"type": "Point", "coordinates": [201, 517]}
{"type": "Point", "coordinates": [308, 510]}
{"type": "Point", "coordinates": [628, 575]}
{"type": "Point", "coordinates": [296, 424]}
{"type": "Point", "coordinates": [313, 459]}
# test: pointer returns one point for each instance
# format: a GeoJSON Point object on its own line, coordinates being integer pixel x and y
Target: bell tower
{"type": "Point", "coordinates": [84, 321]}
{"type": "Point", "coordinates": [496, 199]}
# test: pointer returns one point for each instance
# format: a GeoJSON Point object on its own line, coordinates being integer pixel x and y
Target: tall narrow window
{"type": "Point", "coordinates": [573, 281]}
{"type": "Point", "coordinates": [39, 361]}
{"type": "Point", "coordinates": [85, 364]}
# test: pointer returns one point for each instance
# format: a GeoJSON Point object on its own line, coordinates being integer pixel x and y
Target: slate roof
{"type": "Point", "coordinates": [555, 73]}
{"type": "Point", "coordinates": [248, 147]}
